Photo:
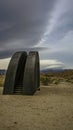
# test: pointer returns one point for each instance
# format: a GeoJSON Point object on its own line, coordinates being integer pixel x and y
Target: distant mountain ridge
{"type": "Point", "coordinates": [53, 70]}
{"type": "Point", "coordinates": [2, 71]}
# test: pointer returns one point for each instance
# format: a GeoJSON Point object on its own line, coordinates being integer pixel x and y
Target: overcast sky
{"type": "Point", "coordinates": [43, 25]}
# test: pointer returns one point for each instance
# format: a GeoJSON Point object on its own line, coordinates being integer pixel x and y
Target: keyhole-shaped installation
{"type": "Point", "coordinates": [23, 74]}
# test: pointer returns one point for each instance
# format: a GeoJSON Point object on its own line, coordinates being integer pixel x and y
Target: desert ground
{"type": "Point", "coordinates": [51, 108]}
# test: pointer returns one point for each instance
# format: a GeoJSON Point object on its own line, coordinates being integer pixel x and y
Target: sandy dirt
{"type": "Point", "coordinates": [49, 109]}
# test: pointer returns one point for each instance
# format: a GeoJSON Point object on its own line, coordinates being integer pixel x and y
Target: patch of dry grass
{"type": "Point", "coordinates": [2, 78]}
{"type": "Point", "coordinates": [56, 77]}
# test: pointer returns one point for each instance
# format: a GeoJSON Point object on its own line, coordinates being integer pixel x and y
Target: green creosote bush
{"type": "Point", "coordinates": [44, 80]}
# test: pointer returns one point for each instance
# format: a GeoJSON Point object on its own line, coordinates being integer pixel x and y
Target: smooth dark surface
{"type": "Point", "coordinates": [14, 75]}
{"type": "Point", "coordinates": [31, 74]}
{"type": "Point", "coordinates": [37, 69]}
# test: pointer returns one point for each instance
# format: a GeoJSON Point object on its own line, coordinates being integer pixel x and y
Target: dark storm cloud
{"type": "Point", "coordinates": [22, 23]}
{"type": "Point", "coordinates": [5, 54]}
{"type": "Point", "coordinates": [8, 52]}
{"type": "Point", "coordinates": [37, 25]}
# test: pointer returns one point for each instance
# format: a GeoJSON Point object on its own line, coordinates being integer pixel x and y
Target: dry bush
{"type": "Point", "coordinates": [44, 79]}
{"type": "Point", "coordinates": [57, 77]}
{"type": "Point", "coordinates": [2, 78]}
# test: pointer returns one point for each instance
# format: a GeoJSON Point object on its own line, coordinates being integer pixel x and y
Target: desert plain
{"type": "Point", "coordinates": [51, 108]}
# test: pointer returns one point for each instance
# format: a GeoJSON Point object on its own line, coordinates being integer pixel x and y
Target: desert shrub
{"type": "Point", "coordinates": [56, 82]}
{"type": "Point", "coordinates": [2, 78]}
{"type": "Point", "coordinates": [47, 79]}
{"type": "Point", "coordinates": [44, 80]}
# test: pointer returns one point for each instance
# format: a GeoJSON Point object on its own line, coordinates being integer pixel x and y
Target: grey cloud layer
{"type": "Point", "coordinates": [60, 22]}
{"type": "Point", "coordinates": [59, 33]}
{"type": "Point", "coordinates": [32, 24]}
{"type": "Point", "coordinates": [22, 23]}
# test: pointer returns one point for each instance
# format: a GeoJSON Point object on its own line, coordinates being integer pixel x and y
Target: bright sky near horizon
{"type": "Point", "coordinates": [45, 25]}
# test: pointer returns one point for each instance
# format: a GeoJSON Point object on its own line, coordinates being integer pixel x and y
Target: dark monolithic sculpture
{"type": "Point", "coordinates": [31, 80]}
{"type": "Point", "coordinates": [23, 74]}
